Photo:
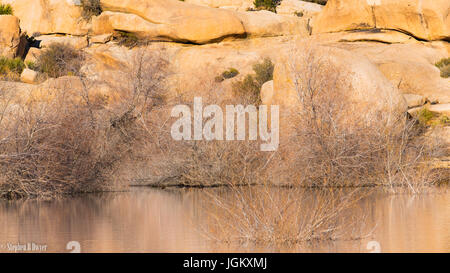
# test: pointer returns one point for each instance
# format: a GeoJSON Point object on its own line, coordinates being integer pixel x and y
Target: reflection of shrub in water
{"type": "Point", "coordinates": [265, 215]}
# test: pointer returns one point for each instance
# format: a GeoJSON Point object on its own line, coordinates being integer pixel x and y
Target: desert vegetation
{"type": "Point", "coordinates": [10, 69]}
{"type": "Point", "coordinates": [323, 145]}
{"type": "Point", "coordinates": [91, 8]}
{"type": "Point", "coordinates": [129, 39]}
{"type": "Point", "coordinates": [320, 2]}
{"type": "Point", "coordinates": [59, 60]}
{"type": "Point", "coordinates": [270, 5]}
{"type": "Point", "coordinates": [249, 88]}
{"type": "Point", "coordinates": [45, 150]}
{"type": "Point", "coordinates": [444, 66]}
{"type": "Point", "coordinates": [6, 9]}
{"type": "Point", "coordinates": [73, 142]}
{"type": "Point", "coordinates": [335, 149]}
{"type": "Point", "coordinates": [227, 74]}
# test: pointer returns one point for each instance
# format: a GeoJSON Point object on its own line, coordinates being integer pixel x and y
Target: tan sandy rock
{"type": "Point", "coordinates": [425, 19]}
{"type": "Point", "coordinates": [265, 23]}
{"type": "Point", "coordinates": [238, 5]}
{"type": "Point", "coordinates": [370, 92]}
{"type": "Point", "coordinates": [9, 35]}
{"type": "Point", "coordinates": [49, 16]}
{"type": "Point", "coordinates": [410, 67]}
{"type": "Point", "coordinates": [297, 7]}
{"type": "Point", "coordinates": [29, 76]}
{"type": "Point", "coordinates": [77, 42]}
{"type": "Point", "coordinates": [181, 21]}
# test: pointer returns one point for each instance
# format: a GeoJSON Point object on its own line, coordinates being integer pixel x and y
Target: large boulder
{"type": "Point", "coordinates": [378, 35]}
{"type": "Point", "coordinates": [110, 21]}
{"type": "Point", "coordinates": [410, 67]}
{"type": "Point", "coordinates": [267, 93]}
{"type": "Point", "coordinates": [424, 19]}
{"type": "Point", "coordinates": [251, 24]}
{"type": "Point", "coordinates": [238, 5]}
{"type": "Point", "coordinates": [333, 75]}
{"type": "Point", "coordinates": [265, 23]}
{"type": "Point", "coordinates": [78, 42]}
{"type": "Point", "coordinates": [50, 16]}
{"type": "Point", "coordinates": [298, 8]}
{"type": "Point", "coordinates": [29, 76]}
{"type": "Point", "coordinates": [181, 21]}
{"type": "Point", "coordinates": [9, 35]}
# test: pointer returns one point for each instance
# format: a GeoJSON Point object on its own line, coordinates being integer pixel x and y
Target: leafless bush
{"type": "Point", "coordinates": [222, 163]}
{"type": "Point", "coordinates": [199, 163]}
{"type": "Point", "coordinates": [69, 143]}
{"type": "Point", "coordinates": [332, 145]}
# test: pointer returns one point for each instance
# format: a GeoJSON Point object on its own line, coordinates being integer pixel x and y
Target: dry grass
{"type": "Point", "coordinates": [222, 163]}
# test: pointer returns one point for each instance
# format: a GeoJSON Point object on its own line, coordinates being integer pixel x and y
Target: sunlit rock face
{"type": "Point", "coordinates": [424, 19]}
{"type": "Point", "coordinates": [9, 35]}
{"type": "Point", "coordinates": [188, 23]}
{"type": "Point", "coordinates": [180, 21]}
{"type": "Point", "coordinates": [331, 71]}
{"type": "Point", "coordinates": [298, 8]}
{"type": "Point", "coordinates": [238, 5]}
{"type": "Point", "coordinates": [51, 16]}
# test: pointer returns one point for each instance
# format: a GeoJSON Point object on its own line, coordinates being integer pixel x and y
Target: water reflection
{"type": "Point", "coordinates": [148, 220]}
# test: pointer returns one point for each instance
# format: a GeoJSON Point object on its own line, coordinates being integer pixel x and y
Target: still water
{"type": "Point", "coordinates": [149, 220]}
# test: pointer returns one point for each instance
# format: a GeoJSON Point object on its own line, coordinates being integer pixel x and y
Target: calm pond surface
{"type": "Point", "coordinates": [149, 220]}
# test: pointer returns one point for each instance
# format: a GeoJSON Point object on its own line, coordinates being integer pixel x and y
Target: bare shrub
{"type": "Point", "coordinates": [222, 163]}
{"type": "Point", "coordinates": [60, 60]}
{"type": "Point", "coordinates": [198, 163]}
{"type": "Point", "coordinates": [69, 144]}
{"type": "Point", "coordinates": [334, 146]}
